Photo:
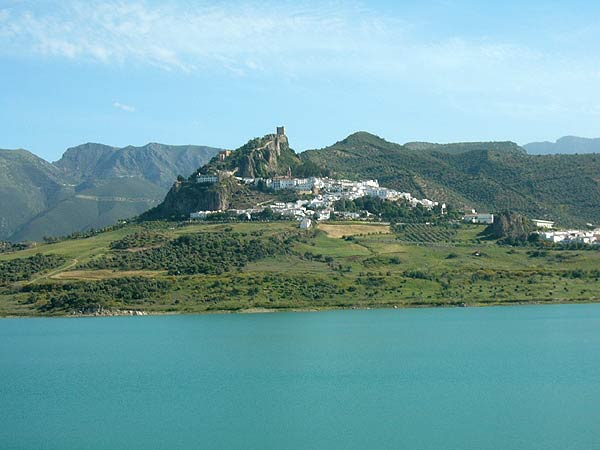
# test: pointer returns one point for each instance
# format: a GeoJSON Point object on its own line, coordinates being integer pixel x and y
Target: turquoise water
{"type": "Point", "coordinates": [483, 378]}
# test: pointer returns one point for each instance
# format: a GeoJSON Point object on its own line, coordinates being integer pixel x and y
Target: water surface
{"type": "Point", "coordinates": [481, 378]}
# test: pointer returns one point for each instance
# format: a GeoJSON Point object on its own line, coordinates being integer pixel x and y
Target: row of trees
{"type": "Point", "coordinates": [80, 296]}
{"type": "Point", "coordinates": [207, 253]}
{"type": "Point", "coordinates": [140, 239]}
{"type": "Point", "coordinates": [6, 247]}
{"type": "Point", "coordinates": [22, 269]}
{"type": "Point", "coordinates": [397, 211]}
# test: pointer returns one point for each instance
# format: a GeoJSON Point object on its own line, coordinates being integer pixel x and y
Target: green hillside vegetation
{"type": "Point", "coordinates": [493, 176]}
{"type": "Point", "coordinates": [6, 247]}
{"type": "Point", "coordinates": [94, 185]}
{"type": "Point", "coordinates": [264, 157]}
{"type": "Point", "coordinates": [206, 253]}
{"type": "Point", "coordinates": [400, 211]}
{"type": "Point", "coordinates": [27, 185]}
{"type": "Point", "coordinates": [24, 268]}
{"type": "Point", "coordinates": [162, 267]}
{"type": "Point", "coordinates": [91, 186]}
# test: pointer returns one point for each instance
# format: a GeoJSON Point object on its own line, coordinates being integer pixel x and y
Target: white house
{"type": "Point", "coordinates": [479, 218]}
{"type": "Point", "coordinates": [543, 223]}
{"type": "Point", "coordinates": [324, 214]}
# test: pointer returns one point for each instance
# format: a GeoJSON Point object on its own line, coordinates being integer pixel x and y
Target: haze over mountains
{"type": "Point", "coordinates": [91, 186]}
{"type": "Point", "coordinates": [565, 145]}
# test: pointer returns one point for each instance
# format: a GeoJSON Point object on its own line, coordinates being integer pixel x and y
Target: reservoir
{"type": "Point", "coordinates": [525, 377]}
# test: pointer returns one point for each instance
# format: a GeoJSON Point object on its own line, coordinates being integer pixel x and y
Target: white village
{"type": "Point", "coordinates": [322, 193]}
{"type": "Point", "coordinates": [325, 192]}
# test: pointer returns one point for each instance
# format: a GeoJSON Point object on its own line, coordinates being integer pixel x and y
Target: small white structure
{"type": "Point", "coordinates": [207, 179]}
{"type": "Point", "coordinates": [324, 214]}
{"type": "Point", "coordinates": [202, 214]}
{"type": "Point", "coordinates": [305, 223]}
{"type": "Point", "coordinates": [283, 183]}
{"type": "Point", "coordinates": [348, 215]}
{"type": "Point", "coordinates": [571, 236]}
{"type": "Point", "coordinates": [543, 223]}
{"type": "Point", "coordinates": [479, 218]}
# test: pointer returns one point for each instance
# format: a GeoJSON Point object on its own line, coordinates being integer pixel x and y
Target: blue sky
{"type": "Point", "coordinates": [218, 73]}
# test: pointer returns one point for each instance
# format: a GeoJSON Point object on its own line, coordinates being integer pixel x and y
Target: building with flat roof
{"type": "Point", "coordinates": [207, 179]}
{"type": "Point", "coordinates": [479, 218]}
{"type": "Point", "coordinates": [543, 223]}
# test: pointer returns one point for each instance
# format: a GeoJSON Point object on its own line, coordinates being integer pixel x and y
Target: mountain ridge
{"type": "Point", "coordinates": [489, 176]}
{"type": "Point", "coordinates": [565, 145]}
{"type": "Point", "coordinates": [92, 185]}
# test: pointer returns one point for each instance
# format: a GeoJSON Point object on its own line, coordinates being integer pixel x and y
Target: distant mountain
{"type": "Point", "coordinates": [27, 185]}
{"type": "Point", "coordinates": [489, 176]}
{"type": "Point", "coordinates": [158, 163]}
{"type": "Point", "coordinates": [567, 145]}
{"type": "Point", "coordinates": [91, 186]}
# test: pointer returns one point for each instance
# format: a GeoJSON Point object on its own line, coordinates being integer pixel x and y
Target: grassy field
{"type": "Point", "coordinates": [91, 275]}
{"type": "Point", "coordinates": [372, 266]}
{"type": "Point", "coordinates": [352, 229]}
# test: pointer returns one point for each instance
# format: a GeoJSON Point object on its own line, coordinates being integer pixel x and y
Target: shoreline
{"type": "Point", "coordinates": [257, 310]}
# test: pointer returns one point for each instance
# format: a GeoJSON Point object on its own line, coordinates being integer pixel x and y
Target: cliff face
{"type": "Point", "coordinates": [264, 161]}
{"type": "Point", "coordinates": [510, 227]}
{"type": "Point", "coordinates": [184, 198]}
{"type": "Point", "coordinates": [263, 157]}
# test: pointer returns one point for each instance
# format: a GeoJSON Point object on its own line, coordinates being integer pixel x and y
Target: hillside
{"type": "Point", "coordinates": [265, 157]}
{"type": "Point", "coordinates": [565, 145]}
{"type": "Point", "coordinates": [91, 186]}
{"type": "Point", "coordinates": [28, 184]}
{"type": "Point", "coordinates": [163, 267]}
{"type": "Point", "coordinates": [94, 185]}
{"type": "Point", "coordinates": [487, 176]}
{"type": "Point", "coordinates": [157, 163]}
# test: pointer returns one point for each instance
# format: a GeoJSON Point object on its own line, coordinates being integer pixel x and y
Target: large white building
{"type": "Point", "coordinates": [206, 178]}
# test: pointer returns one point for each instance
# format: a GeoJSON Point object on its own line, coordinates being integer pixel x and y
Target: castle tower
{"type": "Point", "coordinates": [280, 137]}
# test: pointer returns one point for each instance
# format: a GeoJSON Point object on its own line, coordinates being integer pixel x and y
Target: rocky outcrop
{"type": "Point", "coordinates": [101, 311]}
{"type": "Point", "coordinates": [510, 227]}
{"type": "Point", "coordinates": [263, 157]}
{"type": "Point", "coordinates": [266, 157]}
{"type": "Point", "coordinates": [187, 197]}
